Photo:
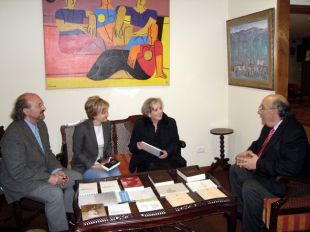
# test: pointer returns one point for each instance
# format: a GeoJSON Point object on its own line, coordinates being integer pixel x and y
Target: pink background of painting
{"type": "Point", "coordinates": [59, 64]}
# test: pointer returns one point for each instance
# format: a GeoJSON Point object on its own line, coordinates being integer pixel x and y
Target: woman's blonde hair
{"type": "Point", "coordinates": [147, 105]}
{"type": "Point", "coordinates": [95, 105]}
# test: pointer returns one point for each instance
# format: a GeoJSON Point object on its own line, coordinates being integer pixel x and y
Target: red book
{"type": "Point", "coordinates": [130, 183]}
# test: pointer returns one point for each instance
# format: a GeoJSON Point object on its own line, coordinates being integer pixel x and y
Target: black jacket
{"type": "Point", "coordinates": [286, 154]}
{"type": "Point", "coordinates": [166, 138]}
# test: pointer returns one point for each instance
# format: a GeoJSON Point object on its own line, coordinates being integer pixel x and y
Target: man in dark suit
{"type": "Point", "coordinates": [28, 166]}
{"type": "Point", "coordinates": [281, 149]}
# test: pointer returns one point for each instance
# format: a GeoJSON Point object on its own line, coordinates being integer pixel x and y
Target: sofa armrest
{"type": "Point", "coordinates": [62, 157]}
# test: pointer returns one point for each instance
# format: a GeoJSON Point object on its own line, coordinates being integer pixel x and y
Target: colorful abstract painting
{"type": "Point", "coordinates": [100, 43]}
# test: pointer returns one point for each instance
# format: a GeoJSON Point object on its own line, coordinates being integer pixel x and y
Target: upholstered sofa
{"type": "Point", "coordinates": [121, 133]}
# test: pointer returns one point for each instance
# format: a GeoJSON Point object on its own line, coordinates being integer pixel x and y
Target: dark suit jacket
{"type": "Point", "coordinates": [85, 146]}
{"type": "Point", "coordinates": [286, 154]}
{"type": "Point", "coordinates": [24, 166]}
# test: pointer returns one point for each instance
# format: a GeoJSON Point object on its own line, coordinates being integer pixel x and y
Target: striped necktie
{"type": "Point", "coordinates": [271, 132]}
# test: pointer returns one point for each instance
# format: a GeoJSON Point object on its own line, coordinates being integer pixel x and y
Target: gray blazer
{"type": "Point", "coordinates": [85, 146]}
{"type": "Point", "coordinates": [24, 166]}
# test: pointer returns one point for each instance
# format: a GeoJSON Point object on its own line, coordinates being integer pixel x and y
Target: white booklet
{"type": "Point", "coordinates": [201, 184]}
{"type": "Point", "coordinates": [151, 205]}
{"type": "Point", "coordinates": [90, 199]}
{"type": "Point", "coordinates": [88, 188]}
{"type": "Point", "coordinates": [119, 209]}
{"type": "Point", "coordinates": [151, 149]}
{"type": "Point", "coordinates": [107, 186]}
{"type": "Point", "coordinates": [142, 194]}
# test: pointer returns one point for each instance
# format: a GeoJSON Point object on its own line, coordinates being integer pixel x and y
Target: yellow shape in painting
{"type": "Point", "coordinates": [148, 55]}
{"type": "Point", "coordinates": [127, 19]}
{"type": "Point", "coordinates": [101, 18]}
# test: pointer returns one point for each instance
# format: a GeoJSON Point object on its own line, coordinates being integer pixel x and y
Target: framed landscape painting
{"type": "Point", "coordinates": [100, 43]}
{"type": "Point", "coordinates": [250, 44]}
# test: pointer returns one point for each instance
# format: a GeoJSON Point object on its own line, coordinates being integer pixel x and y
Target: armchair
{"type": "Point", "coordinates": [292, 212]}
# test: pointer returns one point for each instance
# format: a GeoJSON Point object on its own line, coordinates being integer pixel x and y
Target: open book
{"type": "Point", "coordinates": [151, 149]}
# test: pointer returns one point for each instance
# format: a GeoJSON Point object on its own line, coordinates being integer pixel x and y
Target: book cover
{"type": "Point", "coordinates": [119, 209]}
{"type": "Point", "coordinates": [88, 188]}
{"type": "Point", "coordinates": [201, 184]}
{"type": "Point", "coordinates": [191, 173]}
{"type": "Point", "coordinates": [110, 198]}
{"type": "Point", "coordinates": [92, 211]}
{"type": "Point", "coordinates": [108, 186]}
{"type": "Point", "coordinates": [123, 196]}
{"type": "Point", "coordinates": [90, 199]}
{"type": "Point", "coordinates": [159, 178]}
{"type": "Point", "coordinates": [115, 197]}
{"type": "Point", "coordinates": [131, 183]}
{"type": "Point", "coordinates": [111, 165]}
{"type": "Point", "coordinates": [142, 194]}
{"type": "Point", "coordinates": [151, 149]}
{"type": "Point", "coordinates": [179, 199]}
{"type": "Point", "coordinates": [151, 205]}
{"type": "Point", "coordinates": [210, 193]}
{"type": "Point", "coordinates": [164, 190]}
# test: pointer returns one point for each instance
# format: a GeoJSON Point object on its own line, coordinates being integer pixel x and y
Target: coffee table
{"type": "Point", "coordinates": [169, 216]}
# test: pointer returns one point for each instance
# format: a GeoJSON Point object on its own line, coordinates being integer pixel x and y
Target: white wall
{"type": "Point", "coordinates": [243, 102]}
{"type": "Point", "coordinates": [197, 96]}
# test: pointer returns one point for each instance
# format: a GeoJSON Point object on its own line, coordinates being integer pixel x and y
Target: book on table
{"type": "Point", "coordinates": [110, 198]}
{"type": "Point", "coordinates": [201, 184]}
{"type": "Point", "coordinates": [92, 211]}
{"type": "Point", "coordinates": [159, 178]}
{"type": "Point", "coordinates": [115, 197]}
{"type": "Point", "coordinates": [164, 190]}
{"type": "Point", "coordinates": [151, 149]}
{"type": "Point", "coordinates": [88, 188]}
{"type": "Point", "coordinates": [119, 209]}
{"type": "Point", "coordinates": [210, 193]}
{"type": "Point", "coordinates": [142, 194]}
{"type": "Point", "coordinates": [179, 199]}
{"type": "Point", "coordinates": [149, 205]}
{"type": "Point", "coordinates": [191, 173]}
{"type": "Point", "coordinates": [131, 183]}
{"type": "Point", "coordinates": [90, 199]}
{"type": "Point", "coordinates": [113, 163]}
{"type": "Point", "coordinates": [108, 186]}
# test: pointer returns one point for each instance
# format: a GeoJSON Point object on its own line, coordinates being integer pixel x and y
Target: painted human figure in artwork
{"type": "Point", "coordinates": [105, 21]}
{"type": "Point", "coordinates": [77, 30]}
{"type": "Point", "coordinates": [135, 25]}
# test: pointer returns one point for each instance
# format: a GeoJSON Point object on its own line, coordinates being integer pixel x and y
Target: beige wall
{"type": "Point", "coordinates": [243, 102]}
{"type": "Point", "coordinates": [197, 96]}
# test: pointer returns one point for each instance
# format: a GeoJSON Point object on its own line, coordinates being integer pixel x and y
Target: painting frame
{"type": "Point", "coordinates": [250, 50]}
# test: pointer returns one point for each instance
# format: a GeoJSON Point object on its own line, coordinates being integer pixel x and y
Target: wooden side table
{"type": "Point", "coordinates": [222, 161]}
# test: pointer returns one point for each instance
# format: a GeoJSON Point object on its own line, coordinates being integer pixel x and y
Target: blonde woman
{"type": "Point", "coordinates": [92, 141]}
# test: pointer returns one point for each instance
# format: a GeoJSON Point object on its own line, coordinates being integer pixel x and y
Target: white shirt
{"type": "Point", "coordinates": [100, 140]}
